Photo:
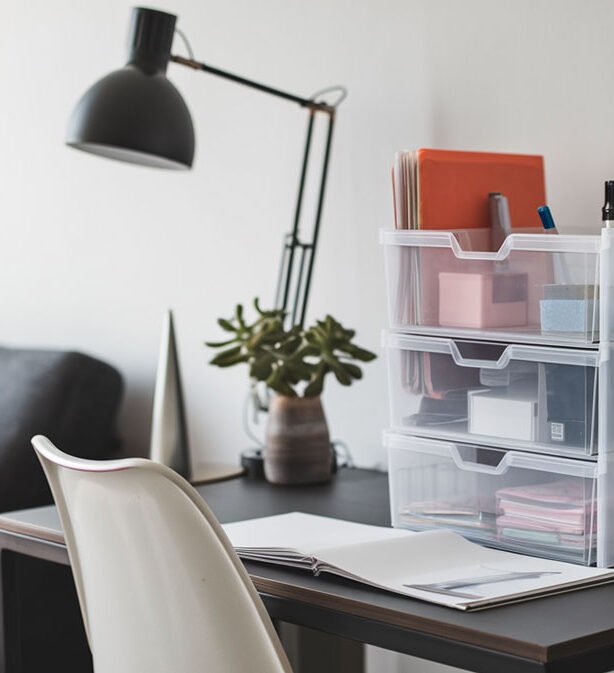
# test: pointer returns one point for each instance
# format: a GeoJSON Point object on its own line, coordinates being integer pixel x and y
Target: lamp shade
{"type": "Point", "coordinates": [136, 114]}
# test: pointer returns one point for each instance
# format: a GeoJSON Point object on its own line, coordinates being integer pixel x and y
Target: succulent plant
{"type": "Point", "coordinates": [291, 360]}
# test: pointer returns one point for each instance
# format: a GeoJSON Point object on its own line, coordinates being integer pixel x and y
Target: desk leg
{"type": "Point", "coordinates": [313, 651]}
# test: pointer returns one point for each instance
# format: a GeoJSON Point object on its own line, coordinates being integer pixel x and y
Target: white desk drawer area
{"type": "Point", "coordinates": [540, 505]}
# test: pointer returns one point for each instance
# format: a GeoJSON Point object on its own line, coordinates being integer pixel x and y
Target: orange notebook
{"type": "Point", "coordinates": [453, 188]}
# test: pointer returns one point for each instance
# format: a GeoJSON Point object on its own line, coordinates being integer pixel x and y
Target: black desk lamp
{"type": "Point", "coordinates": [136, 114]}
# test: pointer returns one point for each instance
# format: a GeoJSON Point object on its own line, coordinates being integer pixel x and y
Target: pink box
{"type": "Point", "coordinates": [479, 300]}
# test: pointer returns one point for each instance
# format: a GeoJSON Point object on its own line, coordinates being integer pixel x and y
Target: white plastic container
{"type": "Point", "coordinates": [537, 288]}
{"type": "Point", "coordinates": [533, 504]}
{"type": "Point", "coordinates": [530, 398]}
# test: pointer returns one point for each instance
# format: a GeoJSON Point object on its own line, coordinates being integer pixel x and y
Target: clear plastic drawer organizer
{"type": "Point", "coordinates": [501, 375]}
{"type": "Point", "coordinates": [515, 396]}
{"type": "Point", "coordinates": [536, 289]}
{"type": "Point", "coordinates": [523, 502]}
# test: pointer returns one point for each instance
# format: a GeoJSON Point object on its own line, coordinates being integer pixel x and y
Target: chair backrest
{"type": "Point", "coordinates": [160, 587]}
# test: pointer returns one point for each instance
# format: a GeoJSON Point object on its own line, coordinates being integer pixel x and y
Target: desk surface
{"type": "Point", "coordinates": [562, 633]}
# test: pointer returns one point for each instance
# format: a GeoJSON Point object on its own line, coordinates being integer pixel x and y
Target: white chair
{"type": "Point", "coordinates": [160, 587]}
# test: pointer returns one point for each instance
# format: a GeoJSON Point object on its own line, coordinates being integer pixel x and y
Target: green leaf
{"type": "Point", "coordinates": [236, 360]}
{"type": "Point", "coordinates": [307, 350]}
{"type": "Point", "coordinates": [290, 345]}
{"type": "Point", "coordinates": [340, 374]}
{"type": "Point", "coordinates": [255, 341]}
{"type": "Point", "coordinates": [292, 377]}
{"type": "Point", "coordinates": [299, 371]}
{"type": "Point", "coordinates": [314, 388]}
{"type": "Point", "coordinates": [261, 368]}
{"type": "Point", "coordinates": [353, 370]}
{"type": "Point", "coordinates": [361, 354]}
{"type": "Point", "coordinates": [226, 325]}
{"type": "Point", "coordinates": [316, 385]}
{"type": "Point", "coordinates": [219, 344]}
{"type": "Point", "coordinates": [273, 313]}
{"type": "Point", "coordinates": [277, 383]}
{"type": "Point", "coordinates": [229, 357]}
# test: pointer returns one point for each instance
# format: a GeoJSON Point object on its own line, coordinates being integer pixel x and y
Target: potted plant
{"type": "Point", "coordinates": [293, 363]}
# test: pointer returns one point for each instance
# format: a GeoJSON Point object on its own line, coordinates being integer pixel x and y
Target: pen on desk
{"type": "Point", "coordinates": [607, 212]}
{"type": "Point", "coordinates": [545, 215]}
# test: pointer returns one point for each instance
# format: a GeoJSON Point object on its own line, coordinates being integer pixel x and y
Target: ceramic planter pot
{"type": "Point", "coordinates": [298, 449]}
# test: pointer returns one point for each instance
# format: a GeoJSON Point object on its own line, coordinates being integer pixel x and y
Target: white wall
{"type": "Point", "coordinates": [92, 251]}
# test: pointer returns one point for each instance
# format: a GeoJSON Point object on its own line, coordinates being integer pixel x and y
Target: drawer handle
{"type": "Point", "coordinates": [468, 466]}
{"type": "Point", "coordinates": [501, 363]}
{"type": "Point", "coordinates": [483, 256]}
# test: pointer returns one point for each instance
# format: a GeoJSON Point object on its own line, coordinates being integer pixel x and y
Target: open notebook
{"type": "Point", "coordinates": [438, 566]}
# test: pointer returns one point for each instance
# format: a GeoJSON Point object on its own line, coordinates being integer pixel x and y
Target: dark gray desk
{"type": "Point", "coordinates": [562, 634]}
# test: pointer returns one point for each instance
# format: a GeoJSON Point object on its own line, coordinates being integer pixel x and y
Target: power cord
{"type": "Point", "coordinates": [186, 42]}
{"type": "Point", "coordinates": [343, 92]}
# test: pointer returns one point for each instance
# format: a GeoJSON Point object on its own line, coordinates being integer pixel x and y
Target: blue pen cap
{"type": "Point", "coordinates": [546, 217]}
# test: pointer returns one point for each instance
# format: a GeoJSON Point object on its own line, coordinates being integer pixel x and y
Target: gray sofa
{"type": "Point", "coordinates": [71, 398]}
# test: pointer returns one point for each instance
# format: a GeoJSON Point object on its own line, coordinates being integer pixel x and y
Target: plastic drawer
{"type": "Point", "coordinates": [532, 398]}
{"type": "Point", "coordinates": [538, 505]}
{"type": "Point", "coordinates": [536, 289]}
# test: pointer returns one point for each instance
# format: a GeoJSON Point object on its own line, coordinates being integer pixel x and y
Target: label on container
{"type": "Point", "coordinates": [557, 432]}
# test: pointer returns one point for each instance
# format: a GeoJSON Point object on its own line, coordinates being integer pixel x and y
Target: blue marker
{"type": "Point", "coordinates": [547, 220]}
{"type": "Point", "coordinates": [558, 260]}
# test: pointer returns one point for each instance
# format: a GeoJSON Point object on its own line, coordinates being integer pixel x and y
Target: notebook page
{"type": "Point", "coordinates": [303, 534]}
{"type": "Point", "coordinates": [441, 556]}
{"type": "Point", "coordinates": [404, 562]}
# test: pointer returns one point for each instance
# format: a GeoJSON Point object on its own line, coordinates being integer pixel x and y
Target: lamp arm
{"type": "Point", "coordinates": [303, 102]}
{"type": "Point", "coordinates": [293, 247]}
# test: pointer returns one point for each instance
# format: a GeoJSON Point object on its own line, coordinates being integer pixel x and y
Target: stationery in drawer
{"type": "Point", "coordinates": [516, 396]}
{"type": "Point", "coordinates": [483, 299]}
{"type": "Point", "coordinates": [508, 412]}
{"type": "Point", "coordinates": [569, 397]}
{"type": "Point", "coordinates": [536, 288]}
{"type": "Point", "coordinates": [570, 309]}
{"type": "Point", "coordinates": [557, 515]}
{"type": "Point", "coordinates": [529, 503]}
